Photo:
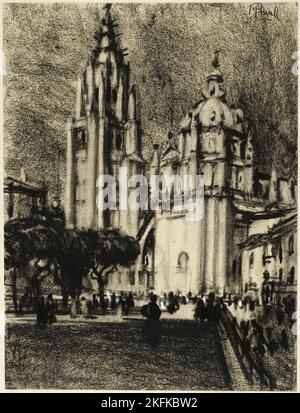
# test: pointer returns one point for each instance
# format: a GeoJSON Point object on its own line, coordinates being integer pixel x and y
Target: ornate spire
{"type": "Point", "coordinates": [215, 74]}
{"type": "Point", "coordinates": [106, 36]}
{"type": "Point", "coordinates": [215, 79]}
{"type": "Point", "coordinates": [215, 63]}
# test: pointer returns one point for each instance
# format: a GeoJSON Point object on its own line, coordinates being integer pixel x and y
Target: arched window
{"type": "Point", "coordinates": [291, 278]}
{"type": "Point", "coordinates": [280, 274]}
{"type": "Point", "coordinates": [291, 244]}
{"type": "Point", "coordinates": [280, 252]}
{"type": "Point", "coordinates": [81, 140]}
{"type": "Point", "coordinates": [243, 149]}
{"type": "Point", "coordinates": [83, 137]}
{"type": "Point", "coordinates": [251, 260]}
{"type": "Point", "coordinates": [264, 257]}
{"type": "Point", "coordinates": [292, 188]}
{"type": "Point", "coordinates": [115, 95]}
{"type": "Point", "coordinates": [119, 141]}
{"type": "Point", "coordinates": [182, 262]}
{"type": "Point", "coordinates": [131, 277]}
{"type": "Point", "coordinates": [266, 275]}
{"type": "Point", "coordinates": [96, 96]}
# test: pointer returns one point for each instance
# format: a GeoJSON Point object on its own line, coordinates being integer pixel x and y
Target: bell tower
{"type": "Point", "coordinates": [103, 135]}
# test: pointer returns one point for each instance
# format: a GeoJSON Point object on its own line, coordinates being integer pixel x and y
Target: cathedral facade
{"type": "Point", "coordinates": [214, 141]}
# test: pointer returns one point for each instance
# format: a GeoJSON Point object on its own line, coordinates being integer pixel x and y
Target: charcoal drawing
{"type": "Point", "coordinates": [150, 196]}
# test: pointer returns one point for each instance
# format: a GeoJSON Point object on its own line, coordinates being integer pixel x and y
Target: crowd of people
{"type": "Point", "coordinates": [263, 328]}
{"type": "Point", "coordinates": [90, 307]}
{"type": "Point", "coordinates": [171, 301]}
{"type": "Point", "coordinates": [86, 306]}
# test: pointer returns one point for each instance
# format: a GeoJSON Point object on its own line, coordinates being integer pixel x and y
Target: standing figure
{"type": "Point", "coordinates": [152, 328]}
{"type": "Point", "coordinates": [95, 302]}
{"type": "Point", "coordinates": [129, 302]}
{"type": "Point", "coordinates": [151, 310]}
{"type": "Point", "coordinates": [200, 311]}
{"type": "Point", "coordinates": [73, 308]}
{"type": "Point", "coordinates": [40, 312]}
{"type": "Point", "coordinates": [113, 301]}
{"type": "Point", "coordinates": [124, 305]}
{"type": "Point", "coordinates": [49, 310]}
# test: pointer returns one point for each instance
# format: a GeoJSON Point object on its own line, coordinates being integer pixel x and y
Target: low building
{"type": "Point", "coordinates": [21, 198]}
{"type": "Point", "coordinates": [271, 256]}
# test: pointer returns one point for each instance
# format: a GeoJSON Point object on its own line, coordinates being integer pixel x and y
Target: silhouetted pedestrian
{"type": "Point", "coordinates": [200, 311]}
{"type": "Point", "coordinates": [40, 312]}
{"type": "Point", "coordinates": [151, 310]}
{"type": "Point", "coordinates": [95, 302]}
{"type": "Point", "coordinates": [173, 305]}
{"type": "Point", "coordinates": [152, 327]}
{"type": "Point", "coordinates": [49, 310]}
{"type": "Point", "coordinates": [124, 305]}
{"type": "Point", "coordinates": [113, 301]}
{"type": "Point", "coordinates": [130, 301]}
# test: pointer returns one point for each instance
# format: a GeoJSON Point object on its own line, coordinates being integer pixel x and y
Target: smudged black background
{"type": "Point", "coordinates": [170, 48]}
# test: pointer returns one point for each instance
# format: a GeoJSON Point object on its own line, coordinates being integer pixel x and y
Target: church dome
{"type": "Point", "coordinates": [211, 112]}
{"type": "Point", "coordinates": [214, 111]}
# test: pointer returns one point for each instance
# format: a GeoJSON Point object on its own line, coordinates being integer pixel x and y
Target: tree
{"type": "Point", "coordinates": [50, 249]}
{"type": "Point", "coordinates": [111, 248]}
{"type": "Point", "coordinates": [72, 260]}
{"type": "Point", "coordinates": [27, 245]}
{"type": "Point", "coordinates": [66, 254]}
{"type": "Point", "coordinates": [17, 255]}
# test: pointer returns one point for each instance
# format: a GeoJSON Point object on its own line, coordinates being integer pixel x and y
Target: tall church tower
{"type": "Point", "coordinates": [216, 130]}
{"type": "Point", "coordinates": [103, 136]}
{"type": "Point", "coordinates": [211, 142]}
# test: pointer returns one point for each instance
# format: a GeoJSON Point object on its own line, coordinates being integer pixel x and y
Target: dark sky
{"type": "Point", "coordinates": [170, 49]}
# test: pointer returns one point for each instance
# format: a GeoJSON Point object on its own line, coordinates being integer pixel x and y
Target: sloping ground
{"type": "Point", "coordinates": [113, 356]}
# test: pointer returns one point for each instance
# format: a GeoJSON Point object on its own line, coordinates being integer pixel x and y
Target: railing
{"type": "Point", "coordinates": [249, 361]}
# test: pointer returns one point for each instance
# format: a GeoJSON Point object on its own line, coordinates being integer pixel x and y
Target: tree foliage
{"type": "Point", "coordinates": [112, 248]}
{"type": "Point", "coordinates": [68, 255]}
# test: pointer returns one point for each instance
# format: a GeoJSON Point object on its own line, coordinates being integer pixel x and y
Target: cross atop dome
{"type": "Point", "coordinates": [107, 7]}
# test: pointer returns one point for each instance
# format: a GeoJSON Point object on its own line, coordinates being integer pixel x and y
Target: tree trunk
{"type": "Point", "coordinates": [65, 296]}
{"type": "Point", "coordinates": [101, 285]}
{"type": "Point", "coordinates": [35, 283]}
{"type": "Point", "coordinates": [14, 291]}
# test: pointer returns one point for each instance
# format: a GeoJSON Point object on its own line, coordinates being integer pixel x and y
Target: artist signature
{"type": "Point", "coordinates": [259, 11]}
